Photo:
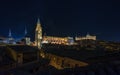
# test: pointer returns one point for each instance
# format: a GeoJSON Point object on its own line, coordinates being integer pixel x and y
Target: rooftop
{"type": "Point", "coordinates": [23, 48]}
{"type": "Point", "coordinates": [90, 56]}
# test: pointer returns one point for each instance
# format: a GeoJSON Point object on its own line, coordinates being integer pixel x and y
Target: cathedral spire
{"type": "Point", "coordinates": [38, 25]}
{"type": "Point", "coordinates": [38, 22]}
{"type": "Point", "coordinates": [10, 33]}
{"type": "Point", "coordinates": [25, 30]}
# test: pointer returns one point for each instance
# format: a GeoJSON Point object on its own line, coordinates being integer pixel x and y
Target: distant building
{"type": "Point", "coordinates": [27, 38]}
{"type": "Point", "coordinates": [3, 40]}
{"type": "Point", "coordinates": [38, 34]}
{"type": "Point", "coordinates": [25, 41]}
{"type": "Point", "coordinates": [39, 39]}
{"type": "Point", "coordinates": [71, 41]}
{"type": "Point", "coordinates": [87, 37]}
{"type": "Point", "coordinates": [58, 40]}
{"type": "Point", "coordinates": [10, 38]}
{"type": "Point", "coordinates": [55, 40]}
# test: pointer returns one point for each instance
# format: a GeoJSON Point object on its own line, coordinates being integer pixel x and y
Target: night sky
{"type": "Point", "coordinates": [61, 17]}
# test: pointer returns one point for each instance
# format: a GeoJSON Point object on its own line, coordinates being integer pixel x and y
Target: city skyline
{"type": "Point", "coordinates": [61, 18]}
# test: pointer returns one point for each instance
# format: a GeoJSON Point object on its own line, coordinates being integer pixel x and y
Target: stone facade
{"type": "Point", "coordinates": [58, 40]}
{"type": "Point", "coordinates": [87, 37]}
{"type": "Point", "coordinates": [64, 62]}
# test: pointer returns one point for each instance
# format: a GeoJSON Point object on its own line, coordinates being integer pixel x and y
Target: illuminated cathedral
{"type": "Point", "coordinates": [39, 39]}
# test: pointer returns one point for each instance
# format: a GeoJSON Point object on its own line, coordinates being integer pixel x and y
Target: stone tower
{"type": "Point", "coordinates": [9, 33]}
{"type": "Point", "coordinates": [26, 38]}
{"type": "Point", "coordinates": [10, 39]}
{"type": "Point", "coordinates": [38, 34]}
{"type": "Point", "coordinates": [25, 31]}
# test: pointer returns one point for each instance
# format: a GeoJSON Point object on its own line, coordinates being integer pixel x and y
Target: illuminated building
{"type": "Point", "coordinates": [55, 40]}
{"type": "Point", "coordinates": [10, 39]}
{"type": "Point", "coordinates": [58, 40]}
{"type": "Point", "coordinates": [7, 40]}
{"type": "Point", "coordinates": [87, 37]}
{"type": "Point", "coordinates": [3, 40]}
{"type": "Point", "coordinates": [27, 38]}
{"type": "Point", "coordinates": [38, 35]}
{"type": "Point", "coordinates": [39, 40]}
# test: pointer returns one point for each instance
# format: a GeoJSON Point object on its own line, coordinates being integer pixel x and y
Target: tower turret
{"type": "Point", "coordinates": [25, 31]}
{"type": "Point", "coordinates": [10, 39]}
{"type": "Point", "coordinates": [26, 37]}
{"type": "Point", "coordinates": [10, 33]}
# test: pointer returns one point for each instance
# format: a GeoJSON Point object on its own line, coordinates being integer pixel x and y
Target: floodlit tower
{"type": "Point", "coordinates": [10, 33]}
{"type": "Point", "coordinates": [27, 38]}
{"type": "Point", "coordinates": [25, 30]}
{"type": "Point", "coordinates": [38, 34]}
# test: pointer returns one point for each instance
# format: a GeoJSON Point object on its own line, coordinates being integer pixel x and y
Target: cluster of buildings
{"type": "Point", "coordinates": [39, 39]}
{"type": "Point", "coordinates": [11, 40]}
{"type": "Point", "coordinates": [43, 39]}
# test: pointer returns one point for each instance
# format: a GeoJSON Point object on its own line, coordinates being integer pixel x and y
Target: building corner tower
{"type": "Point", "coordinates": [10, 39]}
{"type": "Point", "coordinates": [38, 34]}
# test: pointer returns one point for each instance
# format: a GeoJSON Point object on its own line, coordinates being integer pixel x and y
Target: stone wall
{"type": "Point", "coordinates": [64, 62]}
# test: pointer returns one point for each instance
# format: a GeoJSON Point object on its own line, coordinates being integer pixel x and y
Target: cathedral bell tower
{"type": "Point", "coordinates": [38, 34]}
